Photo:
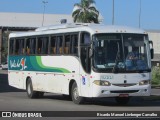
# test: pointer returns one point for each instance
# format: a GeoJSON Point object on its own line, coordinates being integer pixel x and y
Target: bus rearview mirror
{"type": "Point", "coordinates": [152, 53]}
{"type": "Point", "coordinates": [151, 50]}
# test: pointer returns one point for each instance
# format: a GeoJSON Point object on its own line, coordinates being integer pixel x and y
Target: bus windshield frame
{"type": "Point", "coordinates": [121, 53]}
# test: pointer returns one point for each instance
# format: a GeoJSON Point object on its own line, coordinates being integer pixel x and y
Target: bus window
{"type": "Point", "coordinates": [21, 46]}
{"type": "Point", "coordinates": [53, 45]}
{"type": "Point", "coordinates": [39, 46]}
{"type": "Point", "coordinates": [59, 47]}
{"type": "Point", "coordinates": [30, 46]}
{"type": "Point", "coordinates": [17, 46]}
{"type": "Point", "coordinates": [71, 44]}
{"type": "Point", "coordinates": [84, 52]}
{"type": "Point", "coordinates": [85, 38]}
{"type": "Point", "coordinates": [11, 47]}
{"type": "Point", "coordinates": [42, 45]}
{"type": "Point", "coordinates": [45, 45]}
{"type": "Point", "coordinates": [74, 43]}
{"type": "Point", "coordinates": [67, 44]}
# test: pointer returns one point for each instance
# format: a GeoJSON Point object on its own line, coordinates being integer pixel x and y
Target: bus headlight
{"type": "Point", "coordinates": [145, 82]}
{"type": "Point", "coordinates": [102, 83]}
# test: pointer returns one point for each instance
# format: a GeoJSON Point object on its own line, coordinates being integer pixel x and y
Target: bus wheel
{"type": "Point", "coordinates": [29, 89]}
{"type": "Point", "coordinates": [122, 100]}
{"type": "Point", "coordinates": [75, 95]}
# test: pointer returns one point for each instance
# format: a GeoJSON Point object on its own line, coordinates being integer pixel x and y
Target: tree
{"type": "Point", "coordinates": [85, 12]}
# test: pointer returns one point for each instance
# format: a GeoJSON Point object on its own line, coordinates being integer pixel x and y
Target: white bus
{"type": "Point", "coordinates": [81, 61]}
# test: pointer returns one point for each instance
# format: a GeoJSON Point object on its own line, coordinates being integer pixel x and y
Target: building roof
{"type": "Point", "coordinates": [31, 20]}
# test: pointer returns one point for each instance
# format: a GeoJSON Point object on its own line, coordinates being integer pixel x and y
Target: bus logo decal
{"type": "Point", "coordinates": [18, 64]}
{"type": "Point", "coordinates": [23, 62]}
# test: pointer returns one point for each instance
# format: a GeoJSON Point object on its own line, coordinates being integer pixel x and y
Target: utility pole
{"type": "Point", "coordinates": [113, 12]}
{"type": "Point", "coordinates": [44, 2]}
{"type": "Point", "coordinates": [140, 14]}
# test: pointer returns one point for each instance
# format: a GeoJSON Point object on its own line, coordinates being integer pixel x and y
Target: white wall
{"type": "Point", "coordinates": [155, 37]}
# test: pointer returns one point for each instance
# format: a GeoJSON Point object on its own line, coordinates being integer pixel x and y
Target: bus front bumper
{"type": "Point", "coordinates": [114, 91]}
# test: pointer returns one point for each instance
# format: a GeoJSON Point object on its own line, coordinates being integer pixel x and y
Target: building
{"type": "Point", "coordinates": [10, 22]}
{"type": "Point", "coordinates": [154, 35]}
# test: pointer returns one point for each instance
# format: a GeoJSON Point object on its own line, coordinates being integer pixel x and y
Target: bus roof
{"type": "Point", "coordinates": [92, 28]}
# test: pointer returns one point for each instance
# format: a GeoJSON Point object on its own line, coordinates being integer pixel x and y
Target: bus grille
{"type": "Point", "coordinates": [124, 85]}
{"type": "Point", "coordinates": [125, 91]}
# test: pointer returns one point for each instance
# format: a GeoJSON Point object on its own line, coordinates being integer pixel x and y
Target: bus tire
{"type": "Point", "coordinates": [122, 100]}
{"type": "Point", "coordinates": [75, 95]}
{"type": "Point", "coordinates": [29, 89]}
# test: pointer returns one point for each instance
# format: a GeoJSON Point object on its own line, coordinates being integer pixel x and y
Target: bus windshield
{"type": "Point", "coordinates": [121, 52]}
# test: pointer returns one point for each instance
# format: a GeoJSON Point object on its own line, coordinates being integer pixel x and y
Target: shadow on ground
{"type": "Point", "coordinates": [4, 86]}
{"type": "Point", "coordinates": [134, 102]}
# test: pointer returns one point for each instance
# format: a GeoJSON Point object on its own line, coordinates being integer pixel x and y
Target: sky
{"type": "Point", "coordinates": [126, 11]}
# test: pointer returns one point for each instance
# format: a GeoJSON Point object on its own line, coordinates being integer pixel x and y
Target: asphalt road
{"type": "Point", "coordinates": [12, 99]}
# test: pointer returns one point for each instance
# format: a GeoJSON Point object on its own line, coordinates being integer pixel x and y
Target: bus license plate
{"type": "Point", "coordinates": [123, 95]}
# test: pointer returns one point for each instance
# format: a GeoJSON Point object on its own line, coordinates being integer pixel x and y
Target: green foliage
{"type": "Point", "coordinates": [156, 76]}
{"type": "Point", "coordinates": [85, 12]}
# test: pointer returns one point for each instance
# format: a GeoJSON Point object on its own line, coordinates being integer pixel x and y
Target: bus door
{"type": "Point", "coordinates": [85, 67]}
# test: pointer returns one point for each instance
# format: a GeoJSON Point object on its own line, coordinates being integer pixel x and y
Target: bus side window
{"type": "Point", "coordinates": [11, 44]}
{"type": "Point", "coordinates": [42, 45]}
{"type": "Point", "coordinates": [45, 42]}
{"type": "Point", "coordinates": [67, 44]}
{"type": "Point", "coordinates": [17, 46]}
{"type": "Point", "coordinates": [21, 47]}
{"type": "Point", "coordinates": [27, 49]}
{"type": "Point", "coordinates": [59, 45]}
{"type": "Point", "coordinates": [32, 45]}
{"type": "Point", "coordinates": [74, 44]}
{"type": "Point", "coordinates": [39, 45]}
{"type": "Point", "coordinates": [84, 51]}
{"type": "Point", "coordinates": [53, 45]}
{"type": "Point", "coordinates": [85, 38]}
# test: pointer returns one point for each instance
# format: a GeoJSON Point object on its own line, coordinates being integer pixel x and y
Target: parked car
{"type": "Point", "coordinates": [5, 66]}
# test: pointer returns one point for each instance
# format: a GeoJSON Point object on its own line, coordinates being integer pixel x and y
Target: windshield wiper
{"type": "Point", "coordinates": [114, 70]}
